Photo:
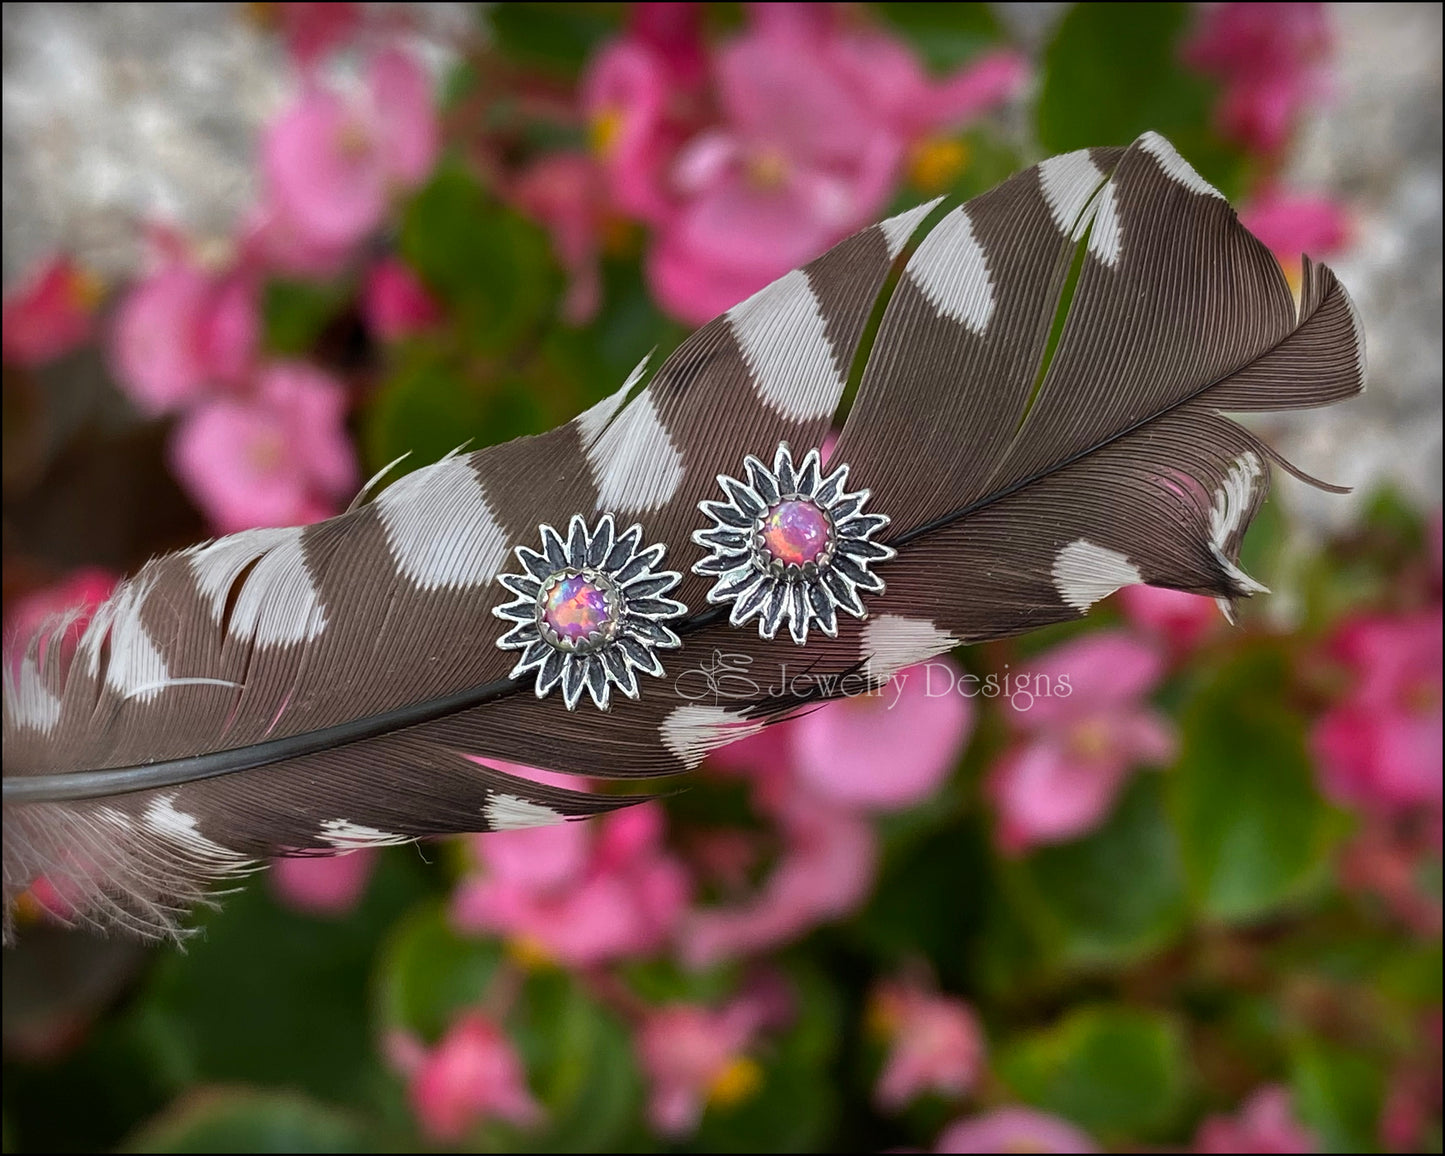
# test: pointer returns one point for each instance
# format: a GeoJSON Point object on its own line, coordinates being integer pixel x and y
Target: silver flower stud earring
{"type": "Point", "coordinates": [590, 611]}
{"type": "Point", "coordinates": [791, 543]}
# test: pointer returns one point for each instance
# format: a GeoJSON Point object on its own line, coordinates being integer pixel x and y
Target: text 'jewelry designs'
{"type": "Point", "coordinates": [590, 611]}
{"type": "Point", "coordinates": [790, 543]}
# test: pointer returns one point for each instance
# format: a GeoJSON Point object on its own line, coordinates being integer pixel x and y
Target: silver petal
{"type": "Point", "coordinates": [523, 634]}
{"type": "Point", "coordinates": [742, 496]}
{"type": "Point", "coordinates": [639, 656]}
{"type": "Point", "coordinates": [726, 514]}
{"type": "Point", "coordinates": [651, 585]}
{"type": "Point", "coordinates": [761, 479]}
{"type": "Point", "coordinates": [573, 679]}
{"type": "Point", "coordinates": [723, 562]}
{"type": "Point", "coordinates": [642, 561]}
{"type": "Point", "coordinates": [861, 525]}
{"type": "Point", "coordinates": [824, 610]}
{"type": "Point", "coordinates": [864, 552]}
{"type": "Point", "coordinates": [618, 671]}
{"type": "Point", "coordinates": [554, 548]}
{"type": "Point", "coordinates": [750, 602]}
{"type": "Point", "coordinates": [601, 544]}
{"type": "Point", "coordinates": [843, 593]}
{"type": "Point", "coordinates": [798, 612]}
{"type": "Point", "coordinates": [623, 548]}
{"type": "Point", "coordinates": [722, 538]}
{"type": "Point", "coordinates": [577, 541]}
{"type": "Point", "coordinates": [551, 673]}
{"type": "Point", "coordinates": [596, 675]}
{"type": "Point", "coordinates": [831, 486]}
{"type": "Point", "coordinates": [783, 469]}
{"type": "Point", "coordinates": [859, 575]}
{"type": "Point", "coordinates": [519, 611]}
{"type": "Point", "coordinates": [772, 610]}
{"type": "Point", "coordinates": [808, 474]}
{"type": "Point", "coordinates": [534, 563]}
{"type": "Point", "coordinates": [522, 585]}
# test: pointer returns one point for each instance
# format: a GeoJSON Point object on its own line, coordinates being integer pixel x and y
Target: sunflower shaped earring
{"type": "Point", "coordinates": [590, 611]}
{"type": "Point", "coordinates": [791, 543]}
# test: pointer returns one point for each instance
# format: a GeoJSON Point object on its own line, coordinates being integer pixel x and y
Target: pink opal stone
{"type": "Point", "coordinates": [575, 607]}
{"type": "Point", "coordinates": [795, 532]}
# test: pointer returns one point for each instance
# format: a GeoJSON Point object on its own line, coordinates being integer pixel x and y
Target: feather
{"type": "Point", "coordinates": [1041, 415]}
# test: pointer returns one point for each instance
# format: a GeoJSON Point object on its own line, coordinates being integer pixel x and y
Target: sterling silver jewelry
{"type": "Point", "coordinates": [791, 543]}
{"type": "Point", "coordinates": [589, 611]}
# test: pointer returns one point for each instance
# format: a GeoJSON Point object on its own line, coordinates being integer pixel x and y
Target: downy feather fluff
{"type": "Point", "coordinates": [307, 690]}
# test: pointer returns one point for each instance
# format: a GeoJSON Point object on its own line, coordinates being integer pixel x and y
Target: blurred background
{"type": "Point", "coordinates": [253, 253]}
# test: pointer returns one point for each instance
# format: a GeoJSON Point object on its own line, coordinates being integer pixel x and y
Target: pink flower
{"type": "Point", "coordinates": [935, 1044]}
{"type": "Point", "coordinates": [695, 1056]}
{"type": "Point", "coordinates": [75, 596]}
{"type": "Point", "coordinates": [885, 750]}
{"type": "Point", "coordinates": [1265, 1124]}
{"type": "Point", "coordinates": [472, 1075]}
{"type": "Point", "coordinates": [395, 302]}
{"type": "Point", "coordinates": [1176, 617]}
{"type": "Point", "coordinates": [1392, 859]}
{"type": "Point", "coordinates": [577, 893]}
{"type": "Point", "coordinates": [183, 331]}
{"type": "Point", "coordinates": [313, 30]}
{"type": "Point", "coordinates": [323, 885]}
{"type": "Point", "coordinates": [1086, 728]}
{"type": "Point", "coordinates": [331, 166]}
{"type": "Point", "coordinates": [642, 95]}
{"type": "Point", "coordinates": [562, 192]}
{"type": "Point", "coordinates": [1379, 749]}
{"type": "Point", "coordinates": [51, 312]}
{"type": "Point", "coordinates": [815, 122]}
{"type": "Point", "coordinates": [1013, 1129]}
{"type": "Point", "coordinates": [1270, 59]}
{"type": "Point", "coordinates": [1294, 223]}
{"type": "Point", "coordinates": [824, 871]}
{"type": "Point", "coordinates": [279, 458]}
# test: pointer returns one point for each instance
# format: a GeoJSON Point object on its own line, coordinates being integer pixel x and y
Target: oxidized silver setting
{"type": "Point", "coordinates": [589, 611]}
{"type": "Point", "coordinates": [791, 543]}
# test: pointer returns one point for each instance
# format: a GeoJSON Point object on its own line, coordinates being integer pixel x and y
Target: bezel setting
{"type": "Point", "coordinates": [761, 585]}
{"type": "Point", "coordinates": [634, 622]}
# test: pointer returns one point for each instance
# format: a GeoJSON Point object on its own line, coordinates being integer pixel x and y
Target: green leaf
{"type": "Point", "coordinates": [557, 37]}
{"type": "Point", "coordinates": [1253, 830]}
{"type": "Point", "coordinates": [243, 1120]}
{"type": "Point", "coordinates": [1115, 895]}
{"type": "Point", "coordinates": [267, 995]}
{"type": "Point", "coordinates": [1112, 72]}
{"type": "Point", "coordinates": [490, 266]}
{"type": "Point", "coordinates": [427, 973]}
{"type": "Point", "coordinates": [944, 35]}
{"type": "Point", "coordinates": [1114, 1071]}
{"type": "Point", "coordinates": [1337, 1095]}
{"type": "Point", "coordinates": [295, 313]}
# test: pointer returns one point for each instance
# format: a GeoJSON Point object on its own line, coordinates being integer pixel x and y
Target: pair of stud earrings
{"type": "Point", "coordinates": [788, 544]}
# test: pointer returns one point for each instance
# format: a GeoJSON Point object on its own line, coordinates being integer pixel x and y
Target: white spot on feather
{"type": "Point", "coordinates": [181, 829]}
{"type": "Point", "coordinates": [593, 420]}
{"type": "Point", "coordinates": [1175, 167]}
{"type": "Point", "coordinates": [1084, 573]}
{"type": "Point", "coordinates": [136, 668]}
{"type": "Point", "coordinates": [1069, 182]}
{"type": "Point", "coordinates": [785, 343]}
{"type": "Point", "coordinates": [897, 230]}
{"type": "Point", "coordinates": [690, 732]}
{"type": "Point", "coordinates": [278, 604]}
{"type": "Point", "coordinates": [1106, 237]}
{"type": "Point", "coordinates": [348, 836]}
{"type": "Point", "coordinates": [29, 703]}
{"type": "Point", "coordinates": [950, 269]}
{"type": "Point", "coordinates": [894, 642]}
{"type": "Point", "coordinates": [634, 464]}
{"type": "Point", "coordinates": [510, 813]}
{"type": "Point", "coordinates": [1226, 518]}
{"type": "Point", "coordinates": [439, 527]}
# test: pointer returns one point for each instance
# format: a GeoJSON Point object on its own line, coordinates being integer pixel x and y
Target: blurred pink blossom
{"type": "Point", "coordinates": [395, 302]}
{"type": "Point", "coordinates": [1412, 1100]}
{"type": "Point", "coordinates": [1271, 60]}
{"type": "Point", "coordinates": [74, 597]}
{"type": "Point", "coordinates": [1265, 1123]}
{"type": "Point", "coordinates": [1291, 224]}
{"type": "Point", "coordinates": [815, 122]}
{"type": "Point", "coordinates": [1179, 619]}
{"type": "Point", "coordinates": [577, 893]}
{"type": "Point", "coordinates": [278, 458]}
{"type": "Point", "coordinates": [50, 313]}
{"type": "Point", "coordinates": [312, 30]}
{"type": "Point", "coordinates": [1391, 858]}
{"type": "Point", "coordinates": [1078, 748]}
{"type": "Point", "coordinates": [694, 1056]}
{"type": "Point", "coordinates": [1379, 749]}
{"type": "Point", "coordinates": [323, 884]}
{"type": "Point", "coordinates": [935, 1044]}
{"type": "Point", "coordinates": [824, 871]}
{"type": "Point", "coordinates": [885, 750]}
{"type": "Point", "coordinates": [472, 1075]}
{"type": "Point", "coordinates": [1011, 1129]}
{"type": "Point", "coordinates": [642, 95]}
{"type": "Point", "coordinates": [182, 331]}
{"type": "Point", "coordinates": [331, 165]}
{"type": "Point", "coordinates": [562, 191]}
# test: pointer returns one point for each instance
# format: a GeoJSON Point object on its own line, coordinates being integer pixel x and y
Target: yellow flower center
{"type": "Point", "coordinates": [937, 163]}
{"type": "Point", "coordinates": [739, 1080]}
{"type": "Point", "coordinates": [767, 169]}
{"type": "Point", "coordinates": [1090, 740]}
{"type": "Point", "coordinates": [606, 127]}
{"type": "Point", "coordinates": [531, 953]}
